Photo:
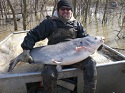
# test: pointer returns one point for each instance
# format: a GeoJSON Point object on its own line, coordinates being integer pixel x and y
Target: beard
{"type": "Point", "coordinates": [66, 16]}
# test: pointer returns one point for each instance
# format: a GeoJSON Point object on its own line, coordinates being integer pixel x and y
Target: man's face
{"type": "Point", "coordinates": [65, 12]}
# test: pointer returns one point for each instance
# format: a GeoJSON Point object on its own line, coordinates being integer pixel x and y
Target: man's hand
{"type": "Point", "coordinates": [25, 56]}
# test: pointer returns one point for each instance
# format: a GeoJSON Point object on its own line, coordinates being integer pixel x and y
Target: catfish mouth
{"type": "Point", "coordinates": [100, 48]}
{"type": "Point", "coordinates": [102, 40]}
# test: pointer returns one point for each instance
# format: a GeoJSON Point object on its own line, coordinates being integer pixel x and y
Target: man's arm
{"type": "Point", "coordinates": [81, 32]}
{"type": "Point", "coordinates": [38, 33]}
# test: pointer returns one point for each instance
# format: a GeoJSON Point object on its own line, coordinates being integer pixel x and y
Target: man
{"type": "Point", "coordinates": [60, 28]}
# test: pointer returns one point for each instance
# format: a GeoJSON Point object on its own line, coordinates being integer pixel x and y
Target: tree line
{"type": "Point", "coordinates": [14, 12]}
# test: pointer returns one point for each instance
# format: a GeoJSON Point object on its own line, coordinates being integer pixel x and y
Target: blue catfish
{"type": "Point", "coordinates": [64, 53]}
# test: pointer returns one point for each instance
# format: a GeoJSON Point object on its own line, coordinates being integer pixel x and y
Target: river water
{"type": "Point", "coordinates": [109, 30]}
{"type": "Point", "coordinates": [93, 26]}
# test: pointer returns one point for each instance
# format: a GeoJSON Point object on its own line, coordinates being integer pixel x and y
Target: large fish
{"type": "Point", "coordinates": [65, 53]}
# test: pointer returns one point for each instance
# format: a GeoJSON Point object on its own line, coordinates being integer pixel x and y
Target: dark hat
{"type": "Point", "coordinates": [64, 3]}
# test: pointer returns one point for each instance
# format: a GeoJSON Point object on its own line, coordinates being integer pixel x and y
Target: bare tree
{"type": "Point", "coordinates": [36, 6]}
{"type": "Point", "coordinates": [13, 12]}
{"type": "Point", "coordinates": [1, 9]}
{"type": "Point", "coordinates": [24, 13]}
{"type": "Point", "coordinates": [74, 4]}
{"type": "Point", "coordinates": [96, 8]}
{"type": "Point", "coordinates": [54, 8]}
{"type": "Point", "coordinates": [121, 28]}
{"type": "Point", "coordinates": [104, 15]}
{"type": "Point", "coordinates": [86, 10]}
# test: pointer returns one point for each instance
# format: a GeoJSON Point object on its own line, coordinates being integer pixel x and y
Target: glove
{"type": "Point", "coordinates": [25, 56]}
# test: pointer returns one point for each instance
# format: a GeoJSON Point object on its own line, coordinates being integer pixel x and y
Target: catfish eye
{"type": "Point", "coordinates": [80, 42]}
{"type": "Point", "coordinates": [95, 38]}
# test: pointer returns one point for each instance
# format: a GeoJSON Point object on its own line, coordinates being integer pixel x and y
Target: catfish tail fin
{"type": "Point", "coordinates": [13, 63]}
